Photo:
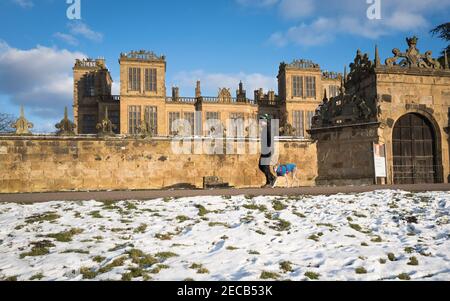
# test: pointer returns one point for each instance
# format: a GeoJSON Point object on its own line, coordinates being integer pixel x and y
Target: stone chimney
{"type": "Point", "coordinates": [175, 93]}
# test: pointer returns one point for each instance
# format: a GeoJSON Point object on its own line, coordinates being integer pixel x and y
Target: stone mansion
{"type": "Point", "coordinates": [144, 103]}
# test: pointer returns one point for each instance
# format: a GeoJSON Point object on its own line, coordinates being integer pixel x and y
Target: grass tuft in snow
{"type": "Point", "coordinates": [312, 275]}
{"type": "Point", "coordinates": [40, 218]}
{"type": "Point", "coordinates": [413, 261]}
{"type": "Point", "coordinates": [66, 236]}
{"type": "Point", "coordinates": [404, 276]}
{"type": "Point", "coordinates": [269, 275]}
{"type": "Point", "coordinates": [360, 271]}
{"type": "Point", "coordinates": [286, 266]}
{"type": "Point", "coordinates": [39, 248]}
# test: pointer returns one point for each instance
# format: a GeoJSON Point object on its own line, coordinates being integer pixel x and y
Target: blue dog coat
{"type": "Point", "coordinates": [284, 170]}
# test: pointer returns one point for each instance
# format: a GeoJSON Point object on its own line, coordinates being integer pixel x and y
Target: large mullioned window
{"type": "Point", "coordinates": [297, 86]}
{"type": "Point", "coordinates": [310, 86]}
{"type": "Point", "coordinates": [134, 119]}
{"type": "Point", "coordinates": [151, 118]}
{"type": "Point", "coordinates": [150, 80]}
{"type": "Point", "coordinates": [134, 79]}
{"type": "Point", "coordinates": [299, 123]}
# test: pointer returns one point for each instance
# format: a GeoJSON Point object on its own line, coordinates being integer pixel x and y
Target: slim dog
{"type": "Point", "coordinates": [286, 170]}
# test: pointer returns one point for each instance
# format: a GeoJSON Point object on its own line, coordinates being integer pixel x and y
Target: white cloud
{"type": "Point", "coordinates": [67, 38]}
{"type": "Point", "coordinates": [39, 78]}
{"type": "Point", "coordinates": [81, 29]}
{"type": "Point", "coordinates": [294, 9]}
{"type": "Point", "coordinates": [319, 22]}
{"type": "Point", "coordinates": [24, 3]}
{"type": "Point", "coordinates": [211, 82]}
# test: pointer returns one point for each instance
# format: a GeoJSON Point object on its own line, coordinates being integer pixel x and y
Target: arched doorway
{"type": "Point", "coordinates": [415, 151]}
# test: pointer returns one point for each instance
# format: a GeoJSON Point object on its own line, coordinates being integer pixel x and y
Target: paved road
{"type": "Point", "coordinates": [154, 194]}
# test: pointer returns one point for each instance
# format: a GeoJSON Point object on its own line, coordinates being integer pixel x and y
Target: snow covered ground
{"type": "Point", "coordinates": [383, 235]}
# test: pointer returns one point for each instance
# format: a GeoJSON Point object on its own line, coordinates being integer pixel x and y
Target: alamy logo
{"type": "Point", "coordinates": [374, 10]}
{"type": "Point", "coordinates": [74, 9]}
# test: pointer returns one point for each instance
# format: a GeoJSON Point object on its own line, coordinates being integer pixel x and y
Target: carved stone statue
{"type": "Point", "coordinates": [22, 125]}
{"type": "Point", "coordinates": [224, 95]}
{"type": "Point", "coordinates": [412, 57]}
{"type": "Point", "coordinates": [106, 127]}
{"type": "Point", "coordinates": [65, 127]}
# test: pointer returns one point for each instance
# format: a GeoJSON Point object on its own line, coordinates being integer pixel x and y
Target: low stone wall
{"type": "Point", "coordinates": [45, 164]}
{"type": "Point", "coordinates": [345, 155]}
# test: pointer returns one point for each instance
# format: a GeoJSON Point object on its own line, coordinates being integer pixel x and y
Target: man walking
{"type": "Point", "coordinates": [267, 150]}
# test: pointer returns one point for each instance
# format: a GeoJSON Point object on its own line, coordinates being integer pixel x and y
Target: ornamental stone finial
{"type": "Point", "coordinates": [22, 125]}
{"type": "Point", "coordinates": [65, 127]}
{"type": "Point", "coordinates": [106, 127]}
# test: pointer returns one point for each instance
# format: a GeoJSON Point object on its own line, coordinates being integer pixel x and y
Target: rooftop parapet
{"type": "Point", "coordinates": [300, 64]}
{"type": "Point", "coordinates": [90, 63]}
{"type": "Point", "coordinates": [142, 55]}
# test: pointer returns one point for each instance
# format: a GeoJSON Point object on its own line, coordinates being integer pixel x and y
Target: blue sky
{"type": "Point", "coordinates": [219, 42]}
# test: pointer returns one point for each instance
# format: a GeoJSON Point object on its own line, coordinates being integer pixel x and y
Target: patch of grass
{"type": "Point", "coordinates": [189, 280]}
{"type": "Point", "coordinates": [201, 210]}
{"type": "Point", "coordinates": [141, 228]}
{"type": "Point", "coordinates": [260, 232]}
{"type": "Point", "coordinates": [231, 248]}
{"type": "Point", "coordinates": [146, 261]}
{"type": "Point", "coordinates": [196, 266]}
{"type": "Point", "coordinates": [278, 206]}
{"type": "Point", "coordinates": [88, 273]}
{"type": "Point", "coordinates": [98, 259]}
{"type": "Point", "coordinates": [350, 219]}
{"type": "Point", "coordinates": [299, 214]}
{"type": "Point", "coordinates": [413, 261]}
{"type": "Point", "coordinates": [117, 248]}
{"type": "Point", "coordinates": [130, 206]}
{"type": "Point", "coordinates": [66, 236]}
{"type": "Point", "coordinates": [76, 251]}
{"type": "Point", "coordinates": [312, 275]}
{"type": "Point", "coordinates": [269, 275]}
{"type": "Point", "coordinates": [10, 279]}
{"type": "Point", "coordinates": [360, 270]}
{"type": "Point", "coordinates": [109, 267]}
{"type": "Point", "coordinates": [356, 227]}
{"type": "Point", "coordinates": [314, 237]}
{"type": "Point", "coordinates": [40, 248]}
{"type": "Point", "coordinates": [39, 276]}
{"type": "Point", "coordinates": [164, 236]}
{"type": "Point", "coordinates": [404, 276]}
{"type": "Point", "coordinates": [377, 239]}
{"type": "Point", "coordinates": [159, 268]}
{"type": "Point", "coordinates": [165, 255]}
{"type": "Point", "coordinates": [382, 261]}
{"type": "Point", "coordinates": [203, 271]}
{"type": "Point", "coordinates": [409, 250]}
{"type": "Point", "coordinates": [364, 244]}
{"type": "Point", "coordinates": [282, 225]}
{"type": "Point", "coordinates": [392, 257]}
{"type": "Point", "coordinates": [218, 224]}
{"type": "Point", "coordinates": [40, 218]}
{"type": "Point", "coordinates": [286, 266]}
{"type": "Point", "coordinates": [249, 197]}
{"type": "Point", "coordinates": [182, 218]}
{"type": "Point", "coordinates": [252, 252]}
{"type": "Point", "coordinates": [261, 208]}
{"type": "Point", "coordinates": [95, 214]}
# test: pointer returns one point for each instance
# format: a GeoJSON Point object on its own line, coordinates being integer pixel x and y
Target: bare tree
{"type": "Point", "coordinates": [443, 32]}
{"type": "Point", "coordinates": [6, 121]}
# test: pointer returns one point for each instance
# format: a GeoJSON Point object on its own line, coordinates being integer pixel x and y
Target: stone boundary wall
{"type": "Point", "coordinates": [49, 164]}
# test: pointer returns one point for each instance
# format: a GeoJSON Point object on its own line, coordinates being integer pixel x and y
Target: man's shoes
{"type": "Point", "coordinates": [267, 186]}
